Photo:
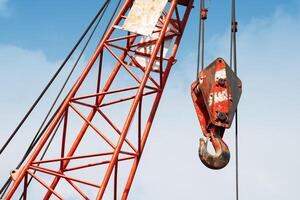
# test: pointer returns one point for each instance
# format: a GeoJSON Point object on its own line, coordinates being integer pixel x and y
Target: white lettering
{"type": "Point", "coordinates": [217, 97]}
{"type": "Point", "coordinates": [220, 74]}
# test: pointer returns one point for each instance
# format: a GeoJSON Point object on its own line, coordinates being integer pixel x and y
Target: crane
{"type": "Point", "coordinates": [142, 42]}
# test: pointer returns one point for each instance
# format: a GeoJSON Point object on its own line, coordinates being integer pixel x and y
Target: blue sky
{"type": "Point", "coordinates": [54, 26]}
{"type": "Point", "coordinates": [36, 35]}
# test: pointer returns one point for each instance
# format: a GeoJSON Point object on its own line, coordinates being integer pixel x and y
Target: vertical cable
{"type": "Point", "coordinates": [202, 38]}
{"type": "Point", "coordinates": [199, 40]}
{"type": "Point", "coordinates": [236, 157]}
{"type": "Point", "coordinates": [201, 31]}
{"type": "Point", "coordinates": [233, 64]}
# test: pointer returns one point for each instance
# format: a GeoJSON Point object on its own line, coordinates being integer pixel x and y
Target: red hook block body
{"type": "Point", "coordinates": [215, 96]}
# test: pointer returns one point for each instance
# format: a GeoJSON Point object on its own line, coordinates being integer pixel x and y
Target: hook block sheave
{"type": "Point", "coordinates": [215, 95]}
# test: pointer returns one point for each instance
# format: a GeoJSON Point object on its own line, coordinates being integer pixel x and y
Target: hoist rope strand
{"type": "Point", "coordinates": [199, 42]}
{"type": "Point", "coordinates": [200, 48]}
{"type": "Point", "coordinates": [5, 187]}
{"type": "Point", "coordinates": [202, 38]}
{"type": "Point", "coordinates": [233, 64]}
{"type": "Point", "coordinates": [236, 155]}
{"type": "Point", "coordinates": [40, 133]}
{"type": "Point", "coordinates": [111, 19]}
{"type": "Point", "coordinates": [95, 28]}
{"type": "Point", "coordinates": [50, 83]}
{"type": "Point", "coordinates": [43, 155]}
{"type": "Point", "coordinates": [85, 46]}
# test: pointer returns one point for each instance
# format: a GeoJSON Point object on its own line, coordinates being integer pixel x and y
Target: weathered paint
{"type": "Point", "coordinates": [144, 15]}
{"type": "Point", "coordinates": [215, 96]}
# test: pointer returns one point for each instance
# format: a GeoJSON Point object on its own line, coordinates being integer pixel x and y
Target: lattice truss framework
{"type": "Point", "coordinates": [100, 158]}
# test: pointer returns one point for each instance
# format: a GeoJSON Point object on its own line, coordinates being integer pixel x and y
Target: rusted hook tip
{"type": "Point", "coordinates": [217, 161]}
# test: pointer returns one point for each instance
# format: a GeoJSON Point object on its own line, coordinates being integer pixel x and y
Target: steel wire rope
{"type": "Point", "coordinates": [71, 72]}
{"type": "Point", "coordinates": [39, 132]}
{"type": "Point", "coordinates": [233, 64]}
{"type": "Point", "coordinates": [43, 155]}
{"type": "Point", "coordinates": [50, 82]}
{"type": "Point", "coordinates": [51, 139]}
{"type": "Point", "coordinates": [200, 48]}
{"type": "Point", "coordinates": [66, 81]}
{"type": "Point", "coordinates": [111, 18]}
{"type": "Point", "coordinates": [5, 187]}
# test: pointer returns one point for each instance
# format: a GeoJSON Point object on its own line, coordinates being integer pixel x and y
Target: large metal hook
{"type": "Point", "coordinates": [222, 154]}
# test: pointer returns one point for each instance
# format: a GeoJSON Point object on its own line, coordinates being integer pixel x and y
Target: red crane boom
{"type": "Point", "coordinates": [123, 47]}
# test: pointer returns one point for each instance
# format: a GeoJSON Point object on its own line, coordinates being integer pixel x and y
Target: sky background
{"type": "Point", "coordinates": [35, 36]}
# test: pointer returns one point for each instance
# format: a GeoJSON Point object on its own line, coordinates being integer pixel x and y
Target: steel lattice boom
{"type": "Point", "coordinates": [118, 147]}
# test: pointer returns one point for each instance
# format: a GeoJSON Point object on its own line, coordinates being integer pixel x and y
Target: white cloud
{"type": "Point", "coordinates": [269, 115]}
{"type": "Point", "coordinates": [23, 75]}
{"type": "Point", "coordinates": [170, 169]}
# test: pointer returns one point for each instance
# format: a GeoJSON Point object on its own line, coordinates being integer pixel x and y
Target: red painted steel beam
{"type": "Point", "coordinates": [105, 89]}
{"type": "Point", "coordinates": [156, 102]}
{"type": "Point", "coordinates": [72, 158]}
{"type": "Point", "coordinates": [136, 106]}
{"type": "Point", "coordinates": [45, 185]}
{"type": "Point", "coordinates": [58, 174]}
{"type": "Point", "coordinates": [64, 107]}
{"type": "Point", "coordinates": [77, 189]}
{"type": "Point", "coordinates": [136, 101]}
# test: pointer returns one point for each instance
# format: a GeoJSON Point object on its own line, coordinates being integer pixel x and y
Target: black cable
{"type": "Point", "coordinates": [78, 59]}
{"type": "Point", "coordinates": [50, 82]}
{"type": "Point", "coordinates": [69, 76]}
{"type": "Point", "coordinates": [5, 187]}
{"type": "Point", "coordinates": [233, 64]}
{"type": "Point", "coordinates": [66, 81]}
{"type": "Point", "coordinates": [9, 180]}
{"type": "Point", "coordinates": [43, 155]}
{"type": "Point", "coordinates": [39, 133]}
{"type": "Point", "coordinates": [203, 31]}
{"type": "Point", "coordinates": [236, 157]}
{"type": "Point", "coordinates": [110, 20]}
{"type": "Point", "coordinates": [73, 69]}
{"type": "Point", "coordinates": [39, 136]}
{"type": "Point", "coordinates": [199, 42]}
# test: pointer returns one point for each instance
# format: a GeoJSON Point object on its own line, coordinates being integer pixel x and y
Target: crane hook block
{"type": "Point", "coordinates": [215, 95]}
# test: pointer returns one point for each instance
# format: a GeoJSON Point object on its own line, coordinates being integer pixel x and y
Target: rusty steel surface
{"type": "Point", "coordinates": [215, 96]}
{"type": "Point", "coordinates": [143, 16]}
{"type": "Point", "coordinates": [117, 146]}
{"type": "Point", "coordinates": [222, 155]}
{"type": "Point", "coordinates": [147, 45]}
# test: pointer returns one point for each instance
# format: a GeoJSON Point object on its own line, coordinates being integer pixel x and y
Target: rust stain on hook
{"type": "Point", "coordinates": [215, 95]}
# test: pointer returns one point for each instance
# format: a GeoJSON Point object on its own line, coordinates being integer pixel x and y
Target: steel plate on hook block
{"type": "Point", "coordinates": [221, 90]}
